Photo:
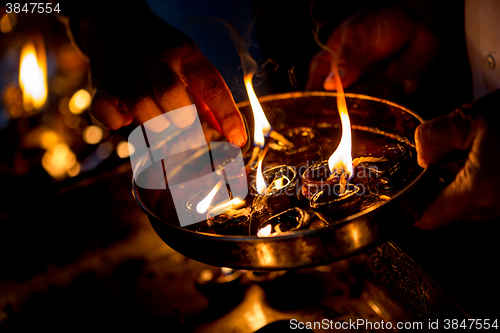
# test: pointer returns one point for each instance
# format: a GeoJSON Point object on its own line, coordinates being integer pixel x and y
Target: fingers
{"type": "Point", "coordinates": [205, 113]}
{"type": "Point", "coordinates": [370, 42]}
{"type": "Point", "coordinates": [207, 84]}
{"type": "Point", "coordinates": [436, 138]}
{"type": "Point", "coordinates": [143, 106]}
{"type": "Point", "coordinates": [321, 75]}
{"type": "Point", "coordinates": [319, 69]}
{"type": "Point", "coordinates": [454, 203]}
{"type": "Point", "coordinates": [108, 109]}
{"type": "Point", "coordinates": [170, 93]}
{"type": "Point", "coordinates": [349, 72]}
{"type": "Point", "coordinates": [473, 194]}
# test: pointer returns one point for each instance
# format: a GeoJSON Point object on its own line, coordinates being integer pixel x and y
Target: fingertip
{"type": "Point", "coordinates": [128, 118]}
{"type": "Point", "coordinates": [329, 84]}
{"type": "Point", "coordinates": [422, 224]}
{"type": "Point", "coordinates": [419, 145]}
{"type": "Point", "coordinates": [422, 161]}
{"type": "Point", "coordinates": [105, 108]}
{"type": "Point", "coordinates": [348, 74]}
{"type": "Point", "coordinates": [238, 137]}
{"type": "Point", "coordinates": [157, 124]}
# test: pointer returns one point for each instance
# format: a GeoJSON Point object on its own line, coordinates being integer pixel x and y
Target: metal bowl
{"type": "Point", "coordinates": [374, 121]}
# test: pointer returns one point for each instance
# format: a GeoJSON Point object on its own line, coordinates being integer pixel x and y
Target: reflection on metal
{"type": "Point", "coordinates": [255, 317]}
{"type": "Point", "coordinates": [341, 238]}
{"type": "Point", "coordinates": [367, 287]}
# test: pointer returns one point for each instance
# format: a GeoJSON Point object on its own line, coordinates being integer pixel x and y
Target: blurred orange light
{"type": "Point", "coordinates": [33, 77]}
{"type": "Point", "coordinates": [49, 139]}
{"type": "Point", "coordinates": [92, 134]}
{"type": "Point", "coordinates": [74, 170]}
{"type": "Point", "coordinates": [6, 23]}
{"type": "Point", "coordinates": [264, 232]}
{"type": "Point", "coordinates": [124, 149]}
{"type": "Point", "coordinates": [58, 160]}
{"type": "Point", "coordinates": [80, 101]}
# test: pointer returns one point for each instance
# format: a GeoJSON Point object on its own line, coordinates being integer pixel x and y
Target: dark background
{"type": "Point", "coordinates": [79, 254]}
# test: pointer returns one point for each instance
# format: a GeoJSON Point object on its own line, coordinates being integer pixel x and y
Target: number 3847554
{"type": "Point", "coordinates": [32, 7]}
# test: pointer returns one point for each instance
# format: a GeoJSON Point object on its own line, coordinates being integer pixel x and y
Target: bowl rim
{"type": "Point", "coordinates": [297, 233]}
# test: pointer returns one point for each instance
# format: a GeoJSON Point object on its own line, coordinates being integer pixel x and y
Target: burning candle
{"type": "Point", "coordinates": [276, 209]}
{"type": "Point", "coordinates": [329, 186]}
{"type": "Point", "coordinates": [298, 145]}
{"type": "Point", "coordinates": [262, 127]}
{"type": "Point", "coordinates": [265, 231]}
{"type": "Point", "coordinates": [286, 221]}
{"type": "Point", "coordinates": [226, 207]}
{"type": "Point", "coordinates": [275, 181]}
{"type": "Point", "coordinates": [204, 199]}
{"type": "Point", "coordinates": [204, 204]}
{"type": "Point", "coordinates": [33, 76]}
{"type": "Point", "coordinates": [340, 162]}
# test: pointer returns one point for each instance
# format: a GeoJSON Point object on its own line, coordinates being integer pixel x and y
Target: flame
{"type": "Point", "coordinates": [249, 66]}
{"type": "Point", "coordinates": [260, 183]}
{"type": "Point", "coordinates": [264, 232]}
{"type": "Point", "coordinates": [261, 128]}
{"type": "Point", "coordinates": [341, 160]}
{"type": "Point", "coordinates": [234, 203]}
{"type": "Point", "coordinates": [261, 125]}
{"type": "Point", "coordinates": [281, 182]}
{"type": "Point", "coordinates": [33, 77]}
{"type": "Point", "coordinates": [204, 204]}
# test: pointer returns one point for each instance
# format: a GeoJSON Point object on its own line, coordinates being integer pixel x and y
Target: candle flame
{"type": "Point", "coordinates": [204, 204]}
{"type": "Point", "coordinates": [234, 203]}
{"type": "Point", "coordinates": [260, 183]}
{"type": "Point", "coordinates": [278, 183]}
{"type": "Point", "coordinates": [261, 128]}
{"type": "Point", "coordinates": [264, 232]}
{"type": "Point", "coordinates": [226, 270]}
{"type": "Point", "coordinates": [33, 77]}
{"type": "Point", "coordinates": [340, 161]}
{"type": "Point", "coordinates": [261, 125]}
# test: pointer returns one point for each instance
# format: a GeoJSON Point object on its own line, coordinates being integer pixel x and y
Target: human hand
{"type": "Point", "coordinates": [142, 67]}
{"type": "Point", "coordinates": [389, 45]}
{"type": "Point", "coordinates": [474, 193]}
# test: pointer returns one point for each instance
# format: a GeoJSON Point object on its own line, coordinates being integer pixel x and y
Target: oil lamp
{"type": "Point", "coordinates": [382, 144]}
{"type": "Point", "coordinates": [341, 183]}
{"type": "Point", "coordinates": [326, 183]}
{"type": "Point", "coordinates": [287, 221]}
{"type": "Point", "coordinates": [296, 146]}
{"type": "Point", "coordinates": [275, 189]}
{"type": "Point", "coordinates": [33, 76]}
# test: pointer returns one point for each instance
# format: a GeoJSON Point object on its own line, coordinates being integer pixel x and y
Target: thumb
{"type": "Point", "coordinates": [436, 138]}
{"type": "Point", "coordinates": [349, 72]}
{"type": "Point", "coordinates": [453, 203]}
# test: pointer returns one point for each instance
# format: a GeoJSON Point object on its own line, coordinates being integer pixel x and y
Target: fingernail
{"type": "Point", "coordinates": [237, 136]}
{"type": "Point", "coordinates": [158, 123]}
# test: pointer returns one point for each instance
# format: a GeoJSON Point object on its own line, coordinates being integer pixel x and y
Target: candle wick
{"type": "Point", "coordinates": [281, 139]}
{"type": "Point", "coordinates": [255, 155]}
